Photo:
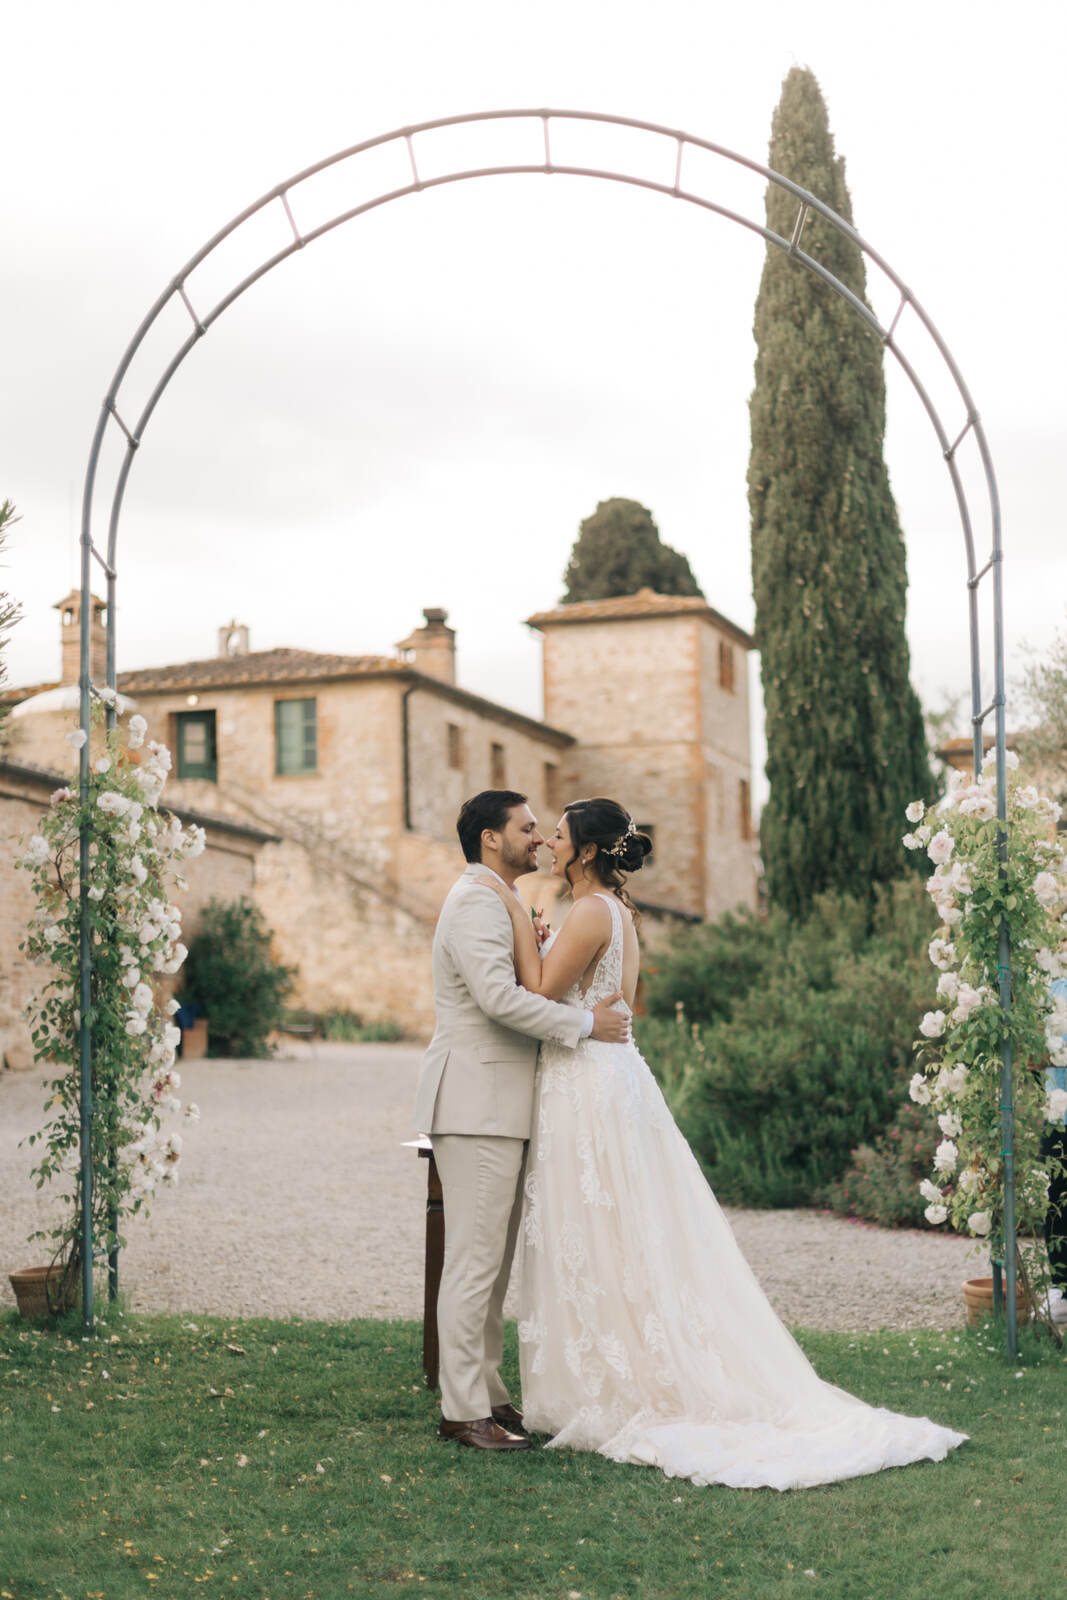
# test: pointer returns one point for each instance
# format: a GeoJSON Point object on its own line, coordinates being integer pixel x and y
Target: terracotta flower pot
{"type": "Point", "coordinates": [978, 1298]}
{"type": "Point", "coordinates": [42, 1291]}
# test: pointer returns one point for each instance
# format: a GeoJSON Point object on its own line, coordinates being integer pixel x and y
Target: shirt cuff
{"type": "Point", "coordinates": [587, 1025]}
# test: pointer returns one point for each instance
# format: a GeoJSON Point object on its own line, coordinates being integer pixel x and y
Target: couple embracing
{"type": "Point", "coordinates": [643, 1333]}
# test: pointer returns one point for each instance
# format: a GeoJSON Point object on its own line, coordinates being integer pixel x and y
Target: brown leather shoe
{"type": "Point", "coordinates": [509, 1417]}
{"type": "Point", "coordinates": [483, 1434]}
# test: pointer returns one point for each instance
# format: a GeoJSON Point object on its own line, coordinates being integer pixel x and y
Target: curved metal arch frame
{"type": "Point", "coordinates": [671, 187]}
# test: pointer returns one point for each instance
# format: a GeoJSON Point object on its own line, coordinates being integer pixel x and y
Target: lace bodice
{"type": "Point", "coordinates": [608, 975]}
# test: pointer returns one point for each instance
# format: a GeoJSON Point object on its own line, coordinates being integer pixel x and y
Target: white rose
{"type": "Point", "coordinates": [935, 1213]}
{"type": "Point", "coordinates": [948, 985]}
{"type": "Point", "coordinates": [1028, 798]}
{"type": "Point", "coordinates": [916, 811]}
{"type": "Point", "coordinates": [910, 842]}
{"type": "Point", "coordinates": [37, 851]}
{"type": "Point", "coordinates": [924, 833]}
{"type": "Point", "coordinates": [919, 1089]}
{"type": "Point", "coordinates": [949, 913]}
{"type": "Point", "coordinates": [942, 953]}
{"type": "Point", "coordinates": [196, 841]}
{"type": "Point", "coordinates": [950, 1080]}
{"type": "Point", "coordinates": [967, 1000]}
{"type": "Point", "coordinates": [172, 1036]}
{"type": "Point", "coordinates": [135, 1023]}
{"type": "Point", "coordinates": [960, 878]}
{"type": "Point", "coordinates": [77, 738]}
{"type": "Point", "coordinates": [968, 1179]}
{"type": "Point", "coordinates": [178, 956]}
{"type": "Point", "coordinates": [979, 1223]}
{"type": "Point", "coordinates": [1056, 1105]}
{"type": "Point", "coordinates": [138, 869]}
{"type": "Point", "coordinates": [138, 729]}
{"type": "Point", "coordinates": [192, 1112]}
{"type": "Point", "coordinates": [931, 1192]}
{"type": "Point", "coordinates": [131, 977]}
{"type": "Point", "coordinates": [95, 892]}
{"type": "Point", "coordinates": [102, 765]}
{"type": "Point", "coordinates": [945, 1156]}
{"type": "Point", "coordinates": [940, 848]}
{"type": "Point", "coordinates": [978, 805]}
{"type": "Point", "coordinates": [142, 997]}
{"type": "Point", "coordinates": [171, 1007]}
{"type": "Point", "coordinates": [950, 1124]}
{"type": "Point", "coordinates": [932, 1025]}
{"type": "Point", "coordinates": [1046, 888]}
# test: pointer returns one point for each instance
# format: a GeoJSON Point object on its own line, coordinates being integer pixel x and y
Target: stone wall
{"type": "Point", "coordinates": [450, 758]}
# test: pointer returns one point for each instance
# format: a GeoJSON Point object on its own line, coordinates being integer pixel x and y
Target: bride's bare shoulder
{"type": "Point", "coordinates": [588, 915]}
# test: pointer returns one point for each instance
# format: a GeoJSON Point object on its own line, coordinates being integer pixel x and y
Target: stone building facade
{"type": "Point", "coordinates": [356, 766]}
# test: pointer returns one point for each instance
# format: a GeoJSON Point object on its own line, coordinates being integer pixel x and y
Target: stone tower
{"type": "Point", "coordinates": [655, 690]}
{"type": "Point", "coordinates": [70, 611]}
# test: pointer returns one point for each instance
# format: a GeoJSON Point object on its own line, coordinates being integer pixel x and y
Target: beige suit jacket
{"type": "Point", "coordinates": [477, 1075]}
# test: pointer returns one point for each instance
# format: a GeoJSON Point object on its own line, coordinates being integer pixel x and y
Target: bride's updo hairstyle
{"type": "Point", "coordinates": [620, 848]}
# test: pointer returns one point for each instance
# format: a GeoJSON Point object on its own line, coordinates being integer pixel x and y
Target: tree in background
{"type": "Point", "coordinates": [618, 551]}
{"type": "Point", "coordinates": [1043, 747]}
{"type": "Point", "coordinates": [845, 745]}
{"type": "Point", "coordinates": [10, 610]}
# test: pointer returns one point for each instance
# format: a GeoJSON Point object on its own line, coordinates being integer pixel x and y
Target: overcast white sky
{"type": "Point", "coordinates": [420, 409]}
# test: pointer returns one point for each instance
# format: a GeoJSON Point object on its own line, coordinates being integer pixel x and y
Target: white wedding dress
{"type": "Point", "coordinates": [643, 1333]}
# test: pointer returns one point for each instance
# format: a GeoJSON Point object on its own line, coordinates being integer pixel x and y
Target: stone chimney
{"type": "Point", "coordinates": [233, 639]}
{"type": "Point", "coordinates": [432, 648]}
{"type": "Point", "coordinates": [70, 611]}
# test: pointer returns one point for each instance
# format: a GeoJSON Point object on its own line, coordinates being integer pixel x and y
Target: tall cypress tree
{"type": "Point", "coordinates": [845, 743]}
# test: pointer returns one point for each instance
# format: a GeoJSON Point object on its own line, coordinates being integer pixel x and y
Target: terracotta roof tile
{"type": "Point", "coordinates": [263, 668]}
{"type": "Point", "coordinates": [258, 666]}
{"type": "Point", "coordinates": [645, 603]}
{"type": "Point", "coordinates": [12, 697]}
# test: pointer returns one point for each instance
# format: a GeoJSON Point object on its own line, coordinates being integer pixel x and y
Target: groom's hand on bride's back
{"type": "Point", "coordinates": [609, 1026]}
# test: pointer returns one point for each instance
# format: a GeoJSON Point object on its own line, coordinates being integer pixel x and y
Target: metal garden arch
{"type": "Point", "coordinates": [675, 153]}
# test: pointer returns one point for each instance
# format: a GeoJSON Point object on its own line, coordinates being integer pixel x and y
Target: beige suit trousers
{"type": "Point", "coordinates": [481, 1180]}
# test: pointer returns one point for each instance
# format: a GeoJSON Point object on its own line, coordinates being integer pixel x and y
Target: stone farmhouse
{"type": "Point", "coordinates": [339, 777]}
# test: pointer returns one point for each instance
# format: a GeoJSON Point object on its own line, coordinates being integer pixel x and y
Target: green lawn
{"type": "Point", "coordinates": [192, 1457]}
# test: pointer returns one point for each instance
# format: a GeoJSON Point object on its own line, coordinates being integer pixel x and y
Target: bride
{"type": "Point", "coordinates": [643, 1333]}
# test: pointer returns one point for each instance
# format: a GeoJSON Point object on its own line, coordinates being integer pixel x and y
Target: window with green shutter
{"type": "Point", "coordinates": [295, 736]}
{"type": "Point", "coordinates": [197, 752]}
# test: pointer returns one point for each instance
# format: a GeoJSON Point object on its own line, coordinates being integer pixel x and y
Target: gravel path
{"type": "Point", "coordinates": [297, 1197]}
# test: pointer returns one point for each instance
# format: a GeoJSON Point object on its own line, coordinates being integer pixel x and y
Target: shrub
{"type": "Point", "coordinates": [808, 1061]}
{"type": "Point", "coordinates": [348, 1028]}
{"type": "Point", "coordinates": [882, 1183]}
{"type": "Point", "coordinates": [233, 977]}
{"type": "Point", "coordinates": [709, 968]}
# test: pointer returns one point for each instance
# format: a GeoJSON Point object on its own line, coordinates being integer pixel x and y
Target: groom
{"type": "Point", "coordinates": [475, 1099]}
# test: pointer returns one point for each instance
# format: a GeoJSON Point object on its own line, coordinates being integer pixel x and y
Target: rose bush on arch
{"type": "Point", "coordinates": [961, 1056]}
{"type": "Point", "coordinates": [135, 853]}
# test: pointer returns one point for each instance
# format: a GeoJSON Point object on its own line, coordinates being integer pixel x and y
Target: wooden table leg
{"type": "Point", "coordinates": [435, 1256]}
